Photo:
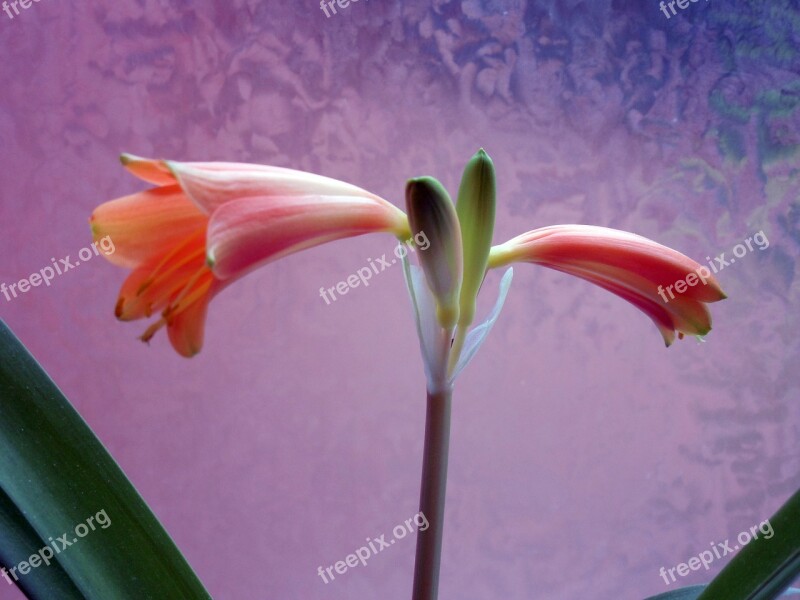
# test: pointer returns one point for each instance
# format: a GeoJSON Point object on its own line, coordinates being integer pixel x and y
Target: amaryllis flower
{"type": "Point", "coordinates": [667, 286]}
{"type": "Point", "coordinates": [205, 225]}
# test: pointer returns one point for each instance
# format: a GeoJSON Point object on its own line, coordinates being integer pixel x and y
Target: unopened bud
{"type": "Point", "coordinates": [431, 211]}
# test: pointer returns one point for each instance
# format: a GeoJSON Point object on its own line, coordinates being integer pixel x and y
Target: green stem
{"type": "Point", "coordinates": [432, 495]}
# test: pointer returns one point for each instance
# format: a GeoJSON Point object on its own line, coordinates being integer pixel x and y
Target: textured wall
{"type": "Point", "coordinates": [585, 456]}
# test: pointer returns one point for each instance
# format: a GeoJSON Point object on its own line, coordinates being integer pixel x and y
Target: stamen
{"type": "Point", "coordinates": [151, 331]}
{"type": "Point", "coordinates": [172, 307]}
{"type": "Point", "coordinates": [182, 301]}
{"type": "Point", "coordinates": [157, 273]}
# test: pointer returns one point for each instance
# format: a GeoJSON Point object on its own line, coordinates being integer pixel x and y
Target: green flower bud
{"type": "Point", "coordinates": [476, 210]}
{"type": "Point", "coordinates": [431, 213]}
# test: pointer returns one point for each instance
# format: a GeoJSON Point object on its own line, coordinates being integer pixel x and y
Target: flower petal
{"type": "Point", "coordinates": [147, 224]}
{"type": "Point", "coordinates": [475, 338]}
{"type": "Point", "coordinates": [633, 267]}
{"type": "Point", "coordinates": [249, 232]}
{"type": "Point", "coordinates": [210, 185]}
{"type": "Point", "coordinates": [634, 253]}
{"type": "Point", "coordinates": [682, 314]}
{"type": "Point", "coordinates": [687, 314]}
{"type": "Point", "coordinates": [186, 331]}
{"type": "Point", "coordinates": [151, 287]}
{"type": "Point", "coordinates": [147, 169]}
{"type": "Point", "coordinates": [185, 315]}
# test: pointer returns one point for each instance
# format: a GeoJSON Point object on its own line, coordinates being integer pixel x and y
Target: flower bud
{"type": "Point", "coordinates": [431, 212]}
{"type": "Point", "coordinates": [476, 210]}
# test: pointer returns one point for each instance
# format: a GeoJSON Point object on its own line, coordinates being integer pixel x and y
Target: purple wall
{"type": "Point", "coordinates": [585, 456]}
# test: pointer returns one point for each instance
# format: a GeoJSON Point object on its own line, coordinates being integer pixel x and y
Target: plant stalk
{"type": "Point", "coordinates": [432, 494]}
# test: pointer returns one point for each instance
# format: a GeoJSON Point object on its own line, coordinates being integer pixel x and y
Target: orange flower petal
{"type": "Point", "coordinates": [186, 312]}
{"type": "Point", "coordinates": [151, 171]}
{"type": "Point", "coordinates": [153, 285]}
{"type": "Point", "coordinates": [187, 331]}
{"type": "Point", "coordinates": [260, 213]}
{"type": "Point", "coordinates": [186, 327]}
{"type": "Point", "coordinates": [146, 224]}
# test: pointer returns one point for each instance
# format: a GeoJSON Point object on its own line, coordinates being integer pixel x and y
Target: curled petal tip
{"type": "Point", "coordinates": [118, 308]}
{"type": "Point", "coordinates": [152, 171]}
{"type": "Point", "coordinates": [126, 158]}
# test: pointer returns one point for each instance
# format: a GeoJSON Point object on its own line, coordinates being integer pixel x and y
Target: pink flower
{"type": "Point", "coordinates": [633, 267]}
{"type": "Point", "coordinates": [205, 225]}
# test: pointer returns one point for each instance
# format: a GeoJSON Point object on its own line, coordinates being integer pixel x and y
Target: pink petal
{"type": "Point", "coordinates": [246, 233]}
{"type": "Point", "coordinates": [633, 267]}
{"type": "Point", "coordinates": [210, 185]}
{"type": "Point", "coordinates": [660, 264]}
{"type": "Point", "coordinates": [684, 315]}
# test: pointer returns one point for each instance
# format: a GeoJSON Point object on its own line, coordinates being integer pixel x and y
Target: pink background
{"type": "Point", "coordinates": [585, 456]}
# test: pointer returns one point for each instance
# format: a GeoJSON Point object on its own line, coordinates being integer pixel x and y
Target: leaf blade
{"type": "Point", "coordinates": [56, 471]}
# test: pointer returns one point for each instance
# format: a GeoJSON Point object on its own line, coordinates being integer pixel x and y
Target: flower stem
{"type": "Point", "coordinates": [432, 494]}
{"type": "Point", "coordinates": [458, 345]}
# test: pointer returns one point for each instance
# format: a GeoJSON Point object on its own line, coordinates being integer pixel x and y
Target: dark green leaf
{"type": "Point", "coordinates": [764, 567]}
{"type": "Point", "coordinates": [686, 593]}
{"type": "Point", "coordinates": [55, 475]}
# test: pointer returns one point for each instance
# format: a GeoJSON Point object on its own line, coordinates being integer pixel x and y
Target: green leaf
{"type": "Point", "coordinates": [693, 593]}
{"type": "Point", "coordinates": [686, 593]}
{"type": "Point", "coordinates": [18, 541]}
{"type": "Point", "coordinates": [58, 481]}
{"type": "Point", "coordinates": [766, 566]}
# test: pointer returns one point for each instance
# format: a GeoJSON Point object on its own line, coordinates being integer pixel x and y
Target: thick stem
{"type": "Point", "coordinates": [432, 495]}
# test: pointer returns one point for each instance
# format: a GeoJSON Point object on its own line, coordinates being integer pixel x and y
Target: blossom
{"type": "Point", "coordinates": [205, 225]}
{"type": "Point", "coordinates": [628, 265]}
